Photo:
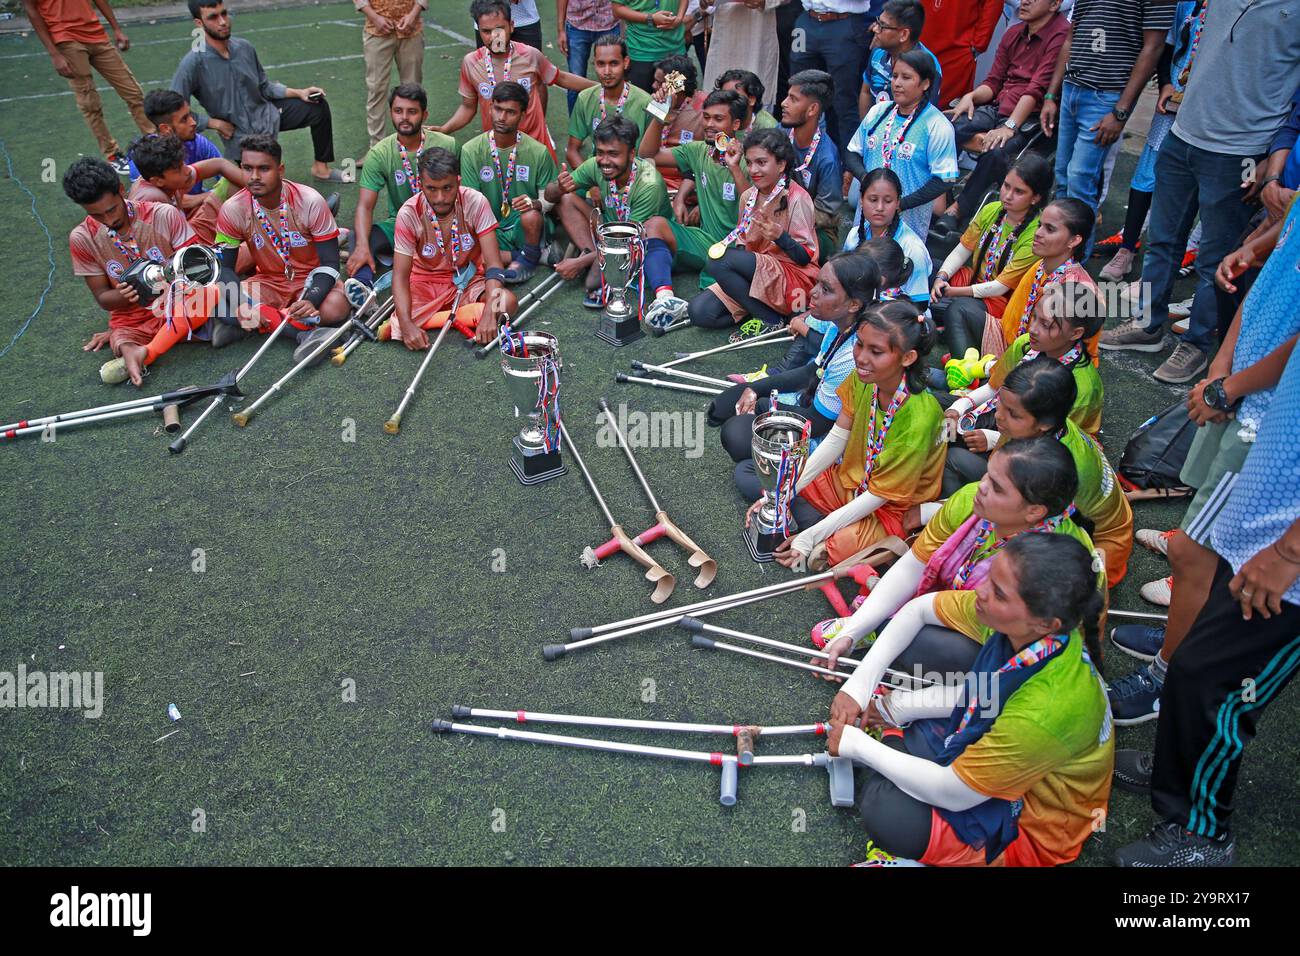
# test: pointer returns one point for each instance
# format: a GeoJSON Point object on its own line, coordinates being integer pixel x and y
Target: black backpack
{"type": "Point", "coordinates": [1155, 454]}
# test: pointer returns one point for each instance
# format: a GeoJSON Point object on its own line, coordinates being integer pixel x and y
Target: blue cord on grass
{"type": "Point", "coordinates": [49, 244]}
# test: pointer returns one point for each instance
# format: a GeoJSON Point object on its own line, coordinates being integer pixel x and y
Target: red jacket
{"type": "Point", "coordinates": [952, 28]}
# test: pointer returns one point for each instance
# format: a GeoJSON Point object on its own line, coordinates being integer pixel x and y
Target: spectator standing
{"type": "Point", "coordinates": [579, 24]}
{"type": "Point", "coordinates": [1230, 112]}
{"type": "Point", "coordinates": [393, 36]}
{"type": "Point", "coordinates": [654, 31]}
{"type": "Point", "coordinates": [958, 33]}
{"type": "Point", "coordinates": [76, 42]}
{"type": "Point", "coordinates": [744, 37]}
{"type": "Point", "coordinates": [835, 36]}
{"type": "Point", "coordinates": [526, 22]}
{"type": "Point", "coordinates": [896, 30]}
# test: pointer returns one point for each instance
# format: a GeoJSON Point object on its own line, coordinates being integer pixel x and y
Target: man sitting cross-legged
{"type": "Point", "coordinates": [166, 177]}
{"type": "Point", "coordinates": [717, 178]}
{"type": "Point", "coordinates": [391, 169]}
{"type": "Point", "coordinates": [289, 233]}
{"type": "Point", "coordinates": [631, 190]}
{"type": "Point", "coordinates": [511, 170]}
{"type": "Point", "coordinates": [116, 234]}
{"type": "Point", "coordinates": [615, 96]}
{"type": "Point", "coordinates": [441, 234]}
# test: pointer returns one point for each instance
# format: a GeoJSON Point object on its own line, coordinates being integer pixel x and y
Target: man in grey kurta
{"type": "Point", "coordinates": [226, 77]}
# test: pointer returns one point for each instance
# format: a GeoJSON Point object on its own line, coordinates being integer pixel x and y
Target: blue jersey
{"type": "Point", "coordinates": [879, 72]}
{"type": "Point", "coordinates": [199, 148]}
{"type": "Point", "coordinates": [917, 286]}
{"type": "Point", "coordinates": [918, 148]}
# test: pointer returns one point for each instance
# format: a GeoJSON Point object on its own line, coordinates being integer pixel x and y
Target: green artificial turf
{"type": "Point", "coordinates": [371, 561]}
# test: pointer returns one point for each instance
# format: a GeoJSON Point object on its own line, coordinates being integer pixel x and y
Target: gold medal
{"type": "Point", "coordinates": [505, 208]}
{"type": "Point", "coordinates": [717, 249]}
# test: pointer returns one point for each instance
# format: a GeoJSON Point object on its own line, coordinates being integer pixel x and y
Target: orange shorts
{"type": "Point", "coordinates": [826, 494]}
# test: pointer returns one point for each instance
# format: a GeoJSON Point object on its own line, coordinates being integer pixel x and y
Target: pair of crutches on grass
{"type": "Point", "coordinates": [839, 769]}
{"type": "Point", "coordinates": [700, 384]}
{"type": "Point", "coordinates": [663, 581]}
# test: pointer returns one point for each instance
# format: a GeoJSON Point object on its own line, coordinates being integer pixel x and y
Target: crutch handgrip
{"type": "Point", "coordinates": [699, 560]}
{"type": "Point", "coordinates": [654, 572]}
{"type": "Point", "coordinates": [730, 771]}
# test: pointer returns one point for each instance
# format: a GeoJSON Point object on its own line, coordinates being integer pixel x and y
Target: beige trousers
{"type": "Point", "coordinates": [381, 53]}
{"type": "Point", "coordinates": [109, 64]}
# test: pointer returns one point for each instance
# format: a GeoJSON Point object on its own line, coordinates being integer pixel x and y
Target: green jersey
{"type": "Point", "coordinates": [534, 169]}
{"type": "Point", "coordinates": [591, 107]}
{"type": "Point", "coordinates": [385, 171]}
{"type": "Point", "coordinates": [763, 120]}
{"type": "Point", "coordinates": [647, 43]}
{"type": "Point", "coordinates": [715, 187]}
{"type": "Point", "coordinates": [648, 195]}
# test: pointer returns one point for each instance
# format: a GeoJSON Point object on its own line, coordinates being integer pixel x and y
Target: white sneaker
{"type": "Point", "coordinates": [1180, 310]}
{"type": "Point", "coordinates": [1181, 326]}
{"type": "Point", "coordinates": [664, 311]}
{"type": "Point", "coordinates": [1158, 592]}
{"type": "Point", "coordinates": [1157, 541]}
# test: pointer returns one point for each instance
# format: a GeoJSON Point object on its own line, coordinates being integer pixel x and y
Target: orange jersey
{"type": "Point", "coordinates": [437, 251]}
{"type": "Point", "coordinates": [524, 64]}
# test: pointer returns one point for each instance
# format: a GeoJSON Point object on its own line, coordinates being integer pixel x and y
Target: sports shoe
{"type": "Point", "coordinates": [1120, 265]}
{"type": "Point", "coordinates": [1134, 698]}
{"type": "Point", "coordinates": [1142, 641]}
{"type": "Point", "coordinates": [594, 299]}
{"type": "Point", "coordinates": [1181, 310]}
{"type": "Point", "coordinates": [824, 632]}
{"type": "Point", "coordinates": [120, 165]}
{"type": "Point", "coordinates": [1169, 844]}
{"type": "Point", "coordinates": [1180, 326]}
{"type": "Point", "coordinates": [1158, 591]}
{"type": "Point", "coordinates": [750, 328]}
{"type": "Point", "coordinates": [1188, 263]}
{"type": "Point", "coordinates": [552, 253]}
{"type": "Point", "coordinates": [1132, 336]}
{"type": "Point", "coordinates": [878, 857]}
{"type": "Point", "coordinates": [521, 270]}
{"type": "Point", "coordinates": [664, 311]}
{"type": "Point", "coordinates": [226, 333]}
{"type": "Point", "coordinates": [1133, 770]}
{"type": "Point", "coordinates": [1110, 242]}
{"type": "Point", "coordinates": [1157, 541]}
{"type": "Point", "coordinates": [113, 372]}
{"type": "Point", "coordinates": [744, 378]}
{"type": "Point", "coordinates": [1186, 362]}
{"type": "Point", "coordinates": [308, 342]}
{"type": "Point", "coordinates": [357, 292]}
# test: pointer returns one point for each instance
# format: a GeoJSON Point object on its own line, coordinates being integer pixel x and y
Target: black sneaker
{"type": "Point", "coordinates": [1142, 641]}
{"type": "Point", "coordinates": [1168, 844]}
{"type": "Point", "coordinates": [1134, 698]}
{"type": "Point", "coordinates": [1133, 770]}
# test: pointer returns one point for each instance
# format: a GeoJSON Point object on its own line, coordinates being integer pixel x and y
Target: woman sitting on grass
{"type": "Point", "coordinates": [1012, 767]}
{"type": "Point", "coordinates": [884, 453]}
{"type": "Point", "coordinates": [880, 217]}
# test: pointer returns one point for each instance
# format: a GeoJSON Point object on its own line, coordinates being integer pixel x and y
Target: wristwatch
{"type": "Point", "coordinates": [1011, 124]}
{"type": "Point", "coordinates": [1215, 397]}
{"type": "Point", "coordinates": [1122, 115]}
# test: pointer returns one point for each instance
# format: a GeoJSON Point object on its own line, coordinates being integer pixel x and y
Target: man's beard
{"type": "Point", "coordinates": [408, 129]}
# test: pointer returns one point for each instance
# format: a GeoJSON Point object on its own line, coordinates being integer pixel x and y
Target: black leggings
{"type": "Point", "coordinates": [961, 467]}
{"type": "Point", "coordinates": [296, 113]}
{"type": "Point", "coordinates": [963, 324]}
{"type": "Point", "coordinates": [642, 73]}
{"type": "Point", "coordinates": [735, 274]}
{"type": "Point", "coordinates": [738, 431]}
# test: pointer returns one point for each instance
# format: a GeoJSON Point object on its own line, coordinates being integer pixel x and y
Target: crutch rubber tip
{"type": "Point", "coordinates": [553, 652]}
{"type": "Point", "coordinates": [604, 405]}
{"type": "Point", "coordinates": [700, 641]}
{"type": "Point", "coordinates": [441, 726]}
{"type": "Point", "coordinates": [580, 633]}
{"type": "Point", "coordinates": [638, 366]}
{"type": "Point", "coordinates": [177, 446]}
{"type": "Point", "coordinates": [727, 797]}
{"type": "Point", "coordinates": [620, 376]}
{"type": "Point", "coordinates": [692, 624]}
{"type": "Point", "coordinates": [393, 426]}
{"type": "Point", "coordinates": [460, 710]}
{"type": "Point", "coordinates": [240, 419]}
{"type": "Point", "coordinates": [338, 358]}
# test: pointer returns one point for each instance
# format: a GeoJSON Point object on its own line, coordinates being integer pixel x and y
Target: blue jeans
{"type": "Point", "coordinates": [580, 42]}
{"type": "Point", "coordinates": [1189, 179]}
{"type": "Point", "coordinates": [841, 48]}
{"type": "Point", "coordinates": [1080, 162]}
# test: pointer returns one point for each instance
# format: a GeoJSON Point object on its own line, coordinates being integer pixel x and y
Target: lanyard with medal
{"type": "Point", "coordinates": [717, 250]}
{"type": "Point", "coordinates": [623, 197]}
{"type": "Point", "coordinates": [887, 149]}
{"type": "Point", "coordinates": [880, 427]}
{"type": "Point", "coordinates": [279, 240]}
{"type": "Point", "coordinates": [487, 65]}
{"type": "Point", "coordinates": [618, 107]}
{"type": "Point", "coordinates": [411, 179]}
{"type": "Point", "coordinates": [507, 180]}
{"type": "Point", "coordinates": [1036, 289]}
{"type": "Point", "coordinates": [130, 249]}
{"type": "Point", "coordinates": [458, 270]}
{"type": "Point", "coordinates": [803, 169]}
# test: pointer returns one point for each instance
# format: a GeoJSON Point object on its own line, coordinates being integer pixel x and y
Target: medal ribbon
{"type": "Point", "coordinates": [618, 107]}
{"type": "Point", "coordinates": [986, 545]}
{"type": "Point", "coordinates": [623, 197]}
{"type": "Point", "coordinates": [487, 64]}
{"type": "Point", "coordinates": [1036, 290]}
{"type": "Point", "coordinates": [967, 421]}
{"type": "Point", "coordinates": [880, 427]}
{"type": "Point", "coordinates": [1196, 30]}
{"type": "Point", "coordinates": [455, 234]}
{"type": "Point", "coordinates": [886, 147]}
{"type": "Point", "coordinates": [994, 251]}
{"type": "Point", "coordinates": [507, 180]}
{"type": "Point", "coordinates": [279, 240]}
{"type": "Point", "coordinates": [411, 179]}
{"type": "Point", "coordinates": [1033, 654]}
{"type": "Point", "coordinates": [747, 214]}
{"type": "Point", "coordinates": [130, 248]}
{"type": "Point", "coordinates": [802, 169]}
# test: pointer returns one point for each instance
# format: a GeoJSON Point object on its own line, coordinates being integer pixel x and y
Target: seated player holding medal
{"type": "Point", "coordinates": [289, 233]}
{"type": "Point", "coordinates": [713, 170]}
{"type": "Point", "coordinates": [500, 59]}
{"type": "Point", "coordinates": [1036, 399]}
{"type": "Point", "coordinates": [883, 455]}
{"type": "Point", "coordinates": [1029, 488]}
{"type": "Point", "coordinates": [1013, 766]}
{"type": "Point", "coordinates": [769, 275]}
{"type": "Point", "coordinates": [631, 190]}
{"type": "Point", "coordinates": [615, 95]}
{"type": "Point", "coordinates": [442, 233]}
{"type": "Point", "coordinates": [391, 170]}
{"type": "Point", "coordinates": [115, 234]}
{"type": "Point", "coordinates": [511, 170]}
{"type": "Point", "coordinates": [165, 177]}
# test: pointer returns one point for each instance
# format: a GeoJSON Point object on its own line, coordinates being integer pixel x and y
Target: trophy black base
{"type": "Point", "coordinates": [619, 332]}
{"type": "Point", "coordinates": [534, 469]}
{"type": "Point", "coordinates": [761, 544]}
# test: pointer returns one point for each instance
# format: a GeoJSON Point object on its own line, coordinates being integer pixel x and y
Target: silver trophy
{"type": "Point", "coordinates": [619, 252]}
{"type": "Point", "coordinates": [196, 265]}
{"type": "Point", "coordinates": [531, 362]}
{"type": "Point", "coordinates": [780, 448]}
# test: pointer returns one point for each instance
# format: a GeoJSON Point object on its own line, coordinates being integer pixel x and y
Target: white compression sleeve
{"type": "Point", "coordinates": [992, 437]}
{"type": "Point", "coordinates": [893, 640]}
{"type": "Point", "coordinates": [956, 259]}
{"type": "Point", "coordinates": [923, 779]}
{"type": "Point", "coordinates": [890, 593]}
{"type": "Point", "coordinates": [904, 706]}
{"type": "Point", "coordinates": [976, 398]}
{"type": "Point", "coordinates": [841, 517]}
{"type": "Point", "coordinates": [827, 453]}
{"type": "Point", "coordinates": [987, 290]}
